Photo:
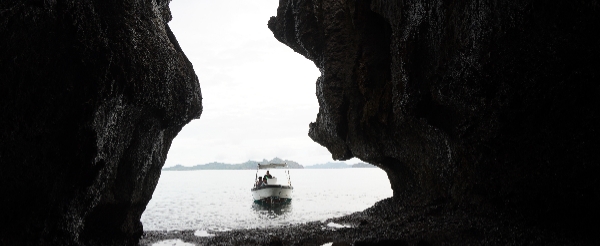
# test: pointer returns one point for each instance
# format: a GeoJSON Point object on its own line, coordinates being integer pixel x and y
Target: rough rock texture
{"type": "Point", "coordinates": [480, 103]}
{"type": "Point", "coordinates": [91, 95]}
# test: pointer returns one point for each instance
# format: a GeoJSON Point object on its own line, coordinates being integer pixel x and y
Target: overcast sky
{"type": "Point", "coordinates": [258, 94]}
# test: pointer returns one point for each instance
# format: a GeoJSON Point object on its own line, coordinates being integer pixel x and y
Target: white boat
{"type": "Point", "coordinates": [274, 191]}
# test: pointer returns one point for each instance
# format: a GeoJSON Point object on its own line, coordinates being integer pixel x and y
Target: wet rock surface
{"type": "Point", "coordinates": [92, 94]}
{"type": "Point", "coordinates": [490, 104]}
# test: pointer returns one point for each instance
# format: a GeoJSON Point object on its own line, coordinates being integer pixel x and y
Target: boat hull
{"type": "Point", "coordinates": [272, 194]}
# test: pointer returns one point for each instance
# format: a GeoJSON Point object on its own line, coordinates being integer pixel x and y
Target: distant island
{"type": "Point", "coordinates": [363, 165]}
{"type": "Point", "coordinates": [251, 165]}
{"type": "Point", "coordinates": [336, 165]}
{"type": "Point", "coordinates": [242, 166]}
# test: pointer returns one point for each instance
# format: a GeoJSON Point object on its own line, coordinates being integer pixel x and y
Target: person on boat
{"type": "Point", "coordinates": [268, 176]}
{"type": "Point", "coordinates": [259, 183]}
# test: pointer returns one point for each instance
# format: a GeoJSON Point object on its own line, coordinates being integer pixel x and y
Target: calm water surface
{"type": "Point", "coordinates": [221, 199]}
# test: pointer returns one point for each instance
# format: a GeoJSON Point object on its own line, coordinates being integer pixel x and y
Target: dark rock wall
{"type": "Point", "coordinates": [485, 103]}
{"type": "Point", "coordinates": [91, 95]}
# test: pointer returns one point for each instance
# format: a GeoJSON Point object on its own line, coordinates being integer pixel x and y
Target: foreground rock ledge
{"type": "Point", "coordinates": [91, 94]}
{"type": "Point", "coordinates": [467, 103]}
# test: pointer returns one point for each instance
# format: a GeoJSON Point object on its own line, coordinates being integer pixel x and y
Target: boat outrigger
{"type": "Point", "coordinates": [271, 191]}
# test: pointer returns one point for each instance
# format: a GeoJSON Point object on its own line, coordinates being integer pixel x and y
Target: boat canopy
{"type": "Point", "coordinates": [271, 165]}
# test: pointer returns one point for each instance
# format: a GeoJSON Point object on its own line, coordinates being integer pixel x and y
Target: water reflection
{"type": "Point", "coordinates": [271, 211]}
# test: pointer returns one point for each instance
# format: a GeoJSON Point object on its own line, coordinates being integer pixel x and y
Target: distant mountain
{"type": "Point", "coordinates": [291, 164]}
{"type": "Point", "coordinates": [242, 166]}
{"type": "Point", "coordinates": [337, 165]}
{"type": "Point", "coordinates": [363, 165]}
{"type": "Point", "coordinates": [329, 165]}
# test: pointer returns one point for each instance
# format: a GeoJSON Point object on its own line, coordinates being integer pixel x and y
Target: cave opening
{"type": "Point", "coordinates": [258, 100]}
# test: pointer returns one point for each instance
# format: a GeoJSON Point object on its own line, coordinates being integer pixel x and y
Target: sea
{"type": "Point", "coordinates": [221, 200]}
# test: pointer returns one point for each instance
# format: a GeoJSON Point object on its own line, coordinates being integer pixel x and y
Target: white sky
{"type": "Point", "coordinates": [258, 94]}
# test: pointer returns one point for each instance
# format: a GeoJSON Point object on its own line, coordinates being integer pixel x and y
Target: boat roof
{"type": "Point", "coordinates": [271, 165]}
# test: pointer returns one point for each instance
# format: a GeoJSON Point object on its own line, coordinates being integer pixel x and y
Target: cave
{"type": "Point", "coordinates": [478, 107]}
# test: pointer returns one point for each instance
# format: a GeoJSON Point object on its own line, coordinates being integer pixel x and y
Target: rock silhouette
{"type": "Point", "coordinates": [486, 103]}
{"type": "Point", "coordinates": [92, 94]}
